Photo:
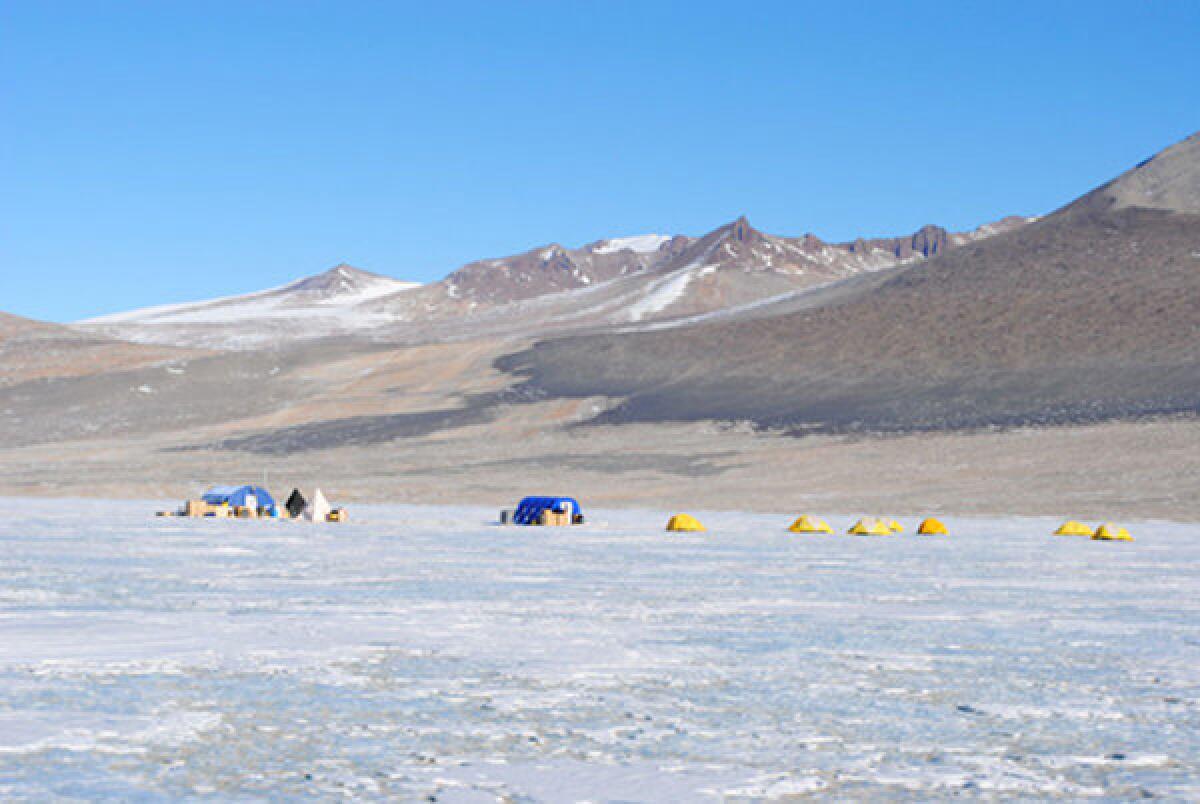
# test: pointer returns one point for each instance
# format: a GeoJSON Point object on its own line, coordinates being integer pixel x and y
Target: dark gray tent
{"type": "Point", "coordinates": [296, 503]}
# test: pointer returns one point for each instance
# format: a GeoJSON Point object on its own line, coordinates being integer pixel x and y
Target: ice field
{"type": "Point", "coordinates": [423, 652]}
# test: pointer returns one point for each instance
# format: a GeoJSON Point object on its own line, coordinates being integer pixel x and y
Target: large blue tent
{"type": "Point", "coordinates": [241, 497]}
{"type": "Point", "coordinates": [529, 510]}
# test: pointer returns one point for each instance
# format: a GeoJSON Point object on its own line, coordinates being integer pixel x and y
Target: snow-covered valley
{"type": "Point", "coordinates": [421, 651]}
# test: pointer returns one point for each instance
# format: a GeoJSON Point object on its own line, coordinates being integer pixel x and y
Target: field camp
{"type": "Point", "coordinates": [255, 502]}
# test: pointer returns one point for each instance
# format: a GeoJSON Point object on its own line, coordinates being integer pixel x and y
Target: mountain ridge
{"type": "Point", "coordinates": [644, 278]}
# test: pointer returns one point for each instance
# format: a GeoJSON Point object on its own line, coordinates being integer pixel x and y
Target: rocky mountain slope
{"type": "Point", "coordinates": [1090, 313]}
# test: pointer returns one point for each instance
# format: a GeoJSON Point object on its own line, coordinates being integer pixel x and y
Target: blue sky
{"type": "Point", "coordinates": [156, 152]}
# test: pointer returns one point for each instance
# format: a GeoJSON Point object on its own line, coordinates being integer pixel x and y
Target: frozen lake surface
{"type": "Point", "coordinates": [420, 652]}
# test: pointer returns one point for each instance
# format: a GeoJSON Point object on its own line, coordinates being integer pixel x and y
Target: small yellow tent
{"type": "Point", "coordinates": [895, 527]}
{"type": "Point", "coordinates": [1108, 532]}
{"type": "Point", "coordinates": [810, 524]}
{"type": "Point", "coordinates": [932, 527]}
{"type": "Point", "coordinates": [870, 527]}
{"type": "Point", "coordinates": [1073, 528]}
{"type": "Point", "coordinates": [684, 522]}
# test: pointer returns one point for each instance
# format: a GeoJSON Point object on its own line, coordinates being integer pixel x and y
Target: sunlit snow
{"type": "Point", "coordinates": [276, 303]}
{"type": "Point", "coordinates": [642, 244]}
{"type": "Point", "coordinates": [421, 651]}
{"type": "Point", "coordinates": [664, 292]}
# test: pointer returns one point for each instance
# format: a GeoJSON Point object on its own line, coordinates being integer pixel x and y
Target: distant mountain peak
{"type": "Point", "coordinates": [742, 230]}
{"type": "Point", "coordinates": [342, 278]}
{"type": "Point", "coordinates": [348, 271]}
{"type": "Point", "coordinates": [550, 252]}
{"type": "Point", "coordinates": [1169, 180]}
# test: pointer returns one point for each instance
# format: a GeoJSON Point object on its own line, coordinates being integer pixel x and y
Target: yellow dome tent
{"type": "Point", "coordinates": [684, 522]}
{"type": "Point", "coordinates": [932, 527]}
{"type": "Point", "coordinates": [895, 527]}
{"type": "Point", "coordinates": [810, 524]}
{"type": "Point", "coordinates": [870, 527]}
{"type": "Point", "coordinates": [1108, 532]}
{"type": "Point", "coordinates": [1073, 528]}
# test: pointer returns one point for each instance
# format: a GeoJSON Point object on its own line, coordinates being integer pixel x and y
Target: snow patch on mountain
{"type": "Point", "coordinates": [641, 244]}
{"type": "Point", "coordinates": [351, 292]}
{"type": "Point", "coordinates": [162, 312]}
{"type": "Point", "coordinates": [335, 292]}
{"type": "Point", "coordinates": [328, 304]}
{"type": "Point", "coordinates": [662, 293]}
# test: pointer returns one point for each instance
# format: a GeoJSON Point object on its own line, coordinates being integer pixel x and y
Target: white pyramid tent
{"type": "Point", "coordinates": [318, 508]}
